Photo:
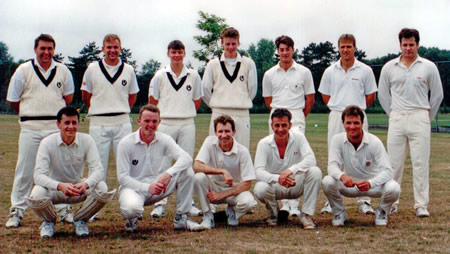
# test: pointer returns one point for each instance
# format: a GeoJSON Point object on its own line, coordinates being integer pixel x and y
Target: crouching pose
{"type": "Point", "coordinates": [59, 175]}
{"type": "Point", "coordinates": [367, 170]}
{"type": "Point", "coordinates": [224, 174]}
{"type": "Point", "coordinates": [286, 169]}
{"type": "Point", "coordinates": [144, 180]}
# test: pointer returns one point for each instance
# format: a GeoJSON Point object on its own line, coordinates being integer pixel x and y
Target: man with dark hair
{"type": "Point", "coordinates": [40, 88]}
{"type": "Point", "coordinates": [366, 169]}
{"type": "Point", "coordinates": [59, 175]}
{"type": "Point", "coordinates": [177, 91]}
{"type": "Point", "coordinates": [229, 86]}
{"type": "Point", "coordinates": [145, 180]}
{"type": "Point", "coordinates": [347, 82]}
{"type": "Point", "coordinates": [224, 174]}
{"type": "Point", "coordinates": [289, 85]}
{"type": "Point", "coordinates": [410, 92]}
{"type": "Point", "coordinates": [286, 169]}
{"type": "Point", "coordinates": [109, 90]}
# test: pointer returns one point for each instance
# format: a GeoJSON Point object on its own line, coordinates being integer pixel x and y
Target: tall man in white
{"type": "Point", "coordinates": [410, 93]}
{"type": "Point", "coordinates": [37, 90]}
{"type": "Point", "coordinates": [177, 92]}
{"type": "Point", "coordinates": [229, 86]}
{"type": "Point", "coordinates": [367, 170]}
{"type": "Point", "coordinates": [289, 85]}
{"type": "Point", "coordinates": [143, 178]}
{"type": "Point", "coordinates": [285, 168]}
{"type": "Point", "coordinates": [347, 82]}
{"type": "Point", "coordinates": [59, 175]}
{"type": "Point", "coordinates": [224, 174]}
{"type": "Point", "coordinates": [109, 91]}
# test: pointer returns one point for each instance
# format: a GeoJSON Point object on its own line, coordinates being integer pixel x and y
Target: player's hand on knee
{"type": "Point", "coordinates": [347, 180]}
{"type": "Point", "coordinates": [228, 178]}
{"type": "Point", "coordinates": [285, 179]}
{"type": "Point", "coordinates": [68, 189]}
{"type": "Point", "coordinates": [156, 188]}
{"type": "Point", "coordinates": [363, 185]}
{"type": "Point", "coordinates": [164, 179]}
{"type": "Point", "coordinates": [82, 187]}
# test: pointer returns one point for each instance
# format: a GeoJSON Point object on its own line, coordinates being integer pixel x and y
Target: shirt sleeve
{"type": "Point", "coordinates": [203, 153]}
{"type": "Point", "coordinates": [436, 91]}
{"type": "Point", "coordinates": [69, 87]}
{"type": "Point", "coordinates": [308, 158]}
{"type": "Point", "coordinates": [134, 88]}
{"type": "Point", "coordinates": [370, 84]}
{"type": "Point", "coordinates": [384, 93]}
{"type": "Point", "coordinates": [124, 152]}
{"type": "Point", "coordinates": [96, 170]}
{"type": "Point", "coordinates": [42, 168]}
{"type": "Point", "coordinates": [86, 84]}
{"type": "Point", "coordinates": [267, 84]}
{"type": "Point", "coordinates": [246, 166]}
{"type": "Point", "coordinates": [154, 87]}
{"type": "Point", "coordinates": [383, 162]}
{"type": "Point", "coordinates": [335, 159]}
{"type": "Point", "coordinates": [309, 83]}
{"type": "Point", "coordinates": [16, 85]}
{"type": "Point", "coordinates": [183, 159]}
{"type": "Point", "coordinates": [197, 83]}
{"type": "Point", "coordinates": [252, 81]}
{"type": "Point", "coordinates": [261, 163]}
{"type": "Point", "coordinates": [325, 82]}
{"type": "Point", "coordinates": [207, 83]}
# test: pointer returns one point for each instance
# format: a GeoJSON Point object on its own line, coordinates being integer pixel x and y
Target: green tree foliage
{"type": "Point", "coordinates": [7, 67]}
{"type": "Point", "coordinates": [126, 56]}
{"type": "Point", "coordinates": [144, 77]}
{"type": "Point", "coordinates": [58, 57]}
{"type": "Point", "coordinates": [263, 54]}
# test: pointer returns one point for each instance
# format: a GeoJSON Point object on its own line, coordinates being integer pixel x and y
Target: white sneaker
{"type": "Point", "coordinates": [81, 228]}
{"type": "Point", "coordinates": [182, 222]}
{"type": "Point", "coordinates": [394, 208]}
{"type": "Point", "coordinates": [272, 221]}
{"type": "Point", "coordinates": [285, 207]}
{"type": "Point", "coordinates": [307, 222]}
{"type": "Point", "coordinates": [131, 225]}
{"type": "Point", "coordinates": [208, 221]}
{"type": "Point", "coordinates": [381, 217]}
{"type": "Point", "coordinates": [365, 208]}
{"type": "Point", "coordinates": [294, 212]}
{"type": "Point", "coordinates": [47, 229]}
{"type": "Point", "coordinates": [195, 211]}
{"type": "Point", "coordinates": [94, 217]}
{"type": "Point", "coordinates": [14, 218]}
{"type": "Point", "coordinates": [326, 208]}
{"type": "Point", "coordinates": [232, 221]}
{"type": "Point", "coordinates": [339, 219]}
{"type": "Point", "coordinates": [422, 212]}
{"type": "Point", "coordinates": [213, 208]}
{"type": "Point", "coordinates": [158, 211]}
{"type": "Point", "coordinates": [66, 215]}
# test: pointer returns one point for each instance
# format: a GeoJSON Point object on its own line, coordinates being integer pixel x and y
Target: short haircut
{"type": "Point", "coordinates": [284, 39]}
{"type": "Point", "coordinates": [347, 37]}
{"type": "Point", "coordinates": [112, 37]}
{"type": "Point", "coordinates": [229, 32]}
{"type": "Point", "coordinates": [281, 112]}
{"type": "Point", "coordinates": [408, 33]}
{"type": "Point", "coordinates": [353, 110]}
{"type": "Point", "coordinates": [44, 37]}
{"type": "Point", "coordinates": [224, 119]}
{"type": "Point", "coordinates": [67, 111]}
{"type": "Point", "coordinates": [175, 44]}
{"type": "Point", "coordinates": [148, 107]}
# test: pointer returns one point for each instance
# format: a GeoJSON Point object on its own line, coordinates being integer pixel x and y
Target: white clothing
{"type": "Point", "coordinates": [184, 135]}
{"type": "Point", "coordinates": [288, 88]}
{"type": "Point", "coordinates": [347, 88]}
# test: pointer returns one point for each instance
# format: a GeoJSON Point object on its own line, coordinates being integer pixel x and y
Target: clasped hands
{"type": "Point", "coordinates": [349, 182]}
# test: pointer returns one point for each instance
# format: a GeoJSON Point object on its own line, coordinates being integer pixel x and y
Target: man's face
{"type": "Point", "coordinates": [230, 46]}
{"type": "Point", "coordinates": [285, 52]}
{"type": "Point", "coordinates": [112, 49]}
{"type": "Point", "coordinates": [409, 47]}
{"type": "Point", "coordinates": [148, 121]}
{"type": "Point", "coordinates": [44, 52]}
{"type": "Point", "coordinates": [225, 134]}
{"type": "Point", "coordinates": [176, 55]}
{"type": "Point", "coordinates": [68, 127]}
{"type": "Point", "coordinates": [347, 50]}
{"type": "Point", "coordinates": [281, 126]}
{"type": "Point", "coordinates": [353, 126]}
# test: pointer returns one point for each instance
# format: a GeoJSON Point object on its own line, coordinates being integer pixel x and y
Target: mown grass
{"type": "Point", "coordinates": [405, 232]}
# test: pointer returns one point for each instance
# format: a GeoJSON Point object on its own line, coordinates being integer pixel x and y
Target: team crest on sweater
{"type": "Point", "coordinates": [124, 82]}
{"type": "Point", "coordinates": [58, 84]}
{"type": "Point", "coordinates": [189, 88]}
{"type": "Point", "coordinates": [134, 162]}
{"type": "Point", "coordinates": [241, 78]}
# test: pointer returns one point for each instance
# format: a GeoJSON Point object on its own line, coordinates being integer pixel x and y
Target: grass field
{"type": "Point", "coordinates": [405, 233]}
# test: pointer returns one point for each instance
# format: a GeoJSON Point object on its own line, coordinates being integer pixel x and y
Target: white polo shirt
{"type": "Point", "coordinates": [139, 165]}
{"type": "Point", "coordinates": [288, 88]}
{"type": "Point", "coordinates": [347, 88]}
{"type": "Point", "coordinates": [369, 162]}
{"type": "Point", "coordinates": [237, 161]}
{"type": "Point", "coordinates": [298, 157]}
{"type": "Point", "coordinates": [58, 162]}
{"type": "Point", "coordinates": [404, 89]}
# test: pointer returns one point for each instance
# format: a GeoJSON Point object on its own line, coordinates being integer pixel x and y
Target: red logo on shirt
{"type": "Point", "coordinates": [296, 153]}
{"type": "Point", "coordinates": [368, 164]}
{"type": "Point", "coordinates": [419, 78]}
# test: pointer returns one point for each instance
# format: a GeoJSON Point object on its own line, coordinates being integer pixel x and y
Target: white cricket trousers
{"type": "Point", "coordinates": [132, 202]}
{"type": "Point", "coordinates": [58, 197]}
{"type": "Point", "coordinates": [242, 203]}
{"type": "Point", "coordinates": [29, 141]}
{"type": "Point", "coordinates": [334, 189]}
{"type": "Point", "coordinates": [413, 128]}
{"type": "Point", "coordinates": [104, 137]}
{"type": "Point", "coordinates": [307, 184]}
{"type": "Point", "coordinates": [242, 126]}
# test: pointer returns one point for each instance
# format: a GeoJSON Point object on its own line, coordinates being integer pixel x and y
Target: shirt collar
{"type": "Point", "coordinates": [138, 140]}
{"type": "Point", "coordinates": [111, 66]}
{"type": "Point", "coordinates": [274, 144]}
{"type": "Point", "coordinates": [238, 57]}
{"type": "Point", "coordinates": [52, 65]}
{"type": "Point", "coordinates": [184, 71]}
{"type": "Point", "coordinates": [356, 64]}
{"type": "Point", "coordinates": [233, 149]}
{"type": "Point", "coordinates": [60, 142]}
{"type": "Point", "coordinates": [398, 62]}
{"type": "Point", "coordinates": [294, 66]}
{"type": "Point", "coordinates": [365, 140]}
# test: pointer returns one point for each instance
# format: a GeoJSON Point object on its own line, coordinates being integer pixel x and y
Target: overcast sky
{"type": "Point", "coordinates": [146, 26]}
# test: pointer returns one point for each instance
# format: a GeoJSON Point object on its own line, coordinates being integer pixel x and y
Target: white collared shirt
{"type": "Point", "coordinates": [139, 165]}
{"type": "Point", "coordinates": [404, 89]}
{"type": "Point", "coordinates": [369, 162]}
{"type": "Point", "coordinates": [237, 161]}
{"type": "Point", "coordinates": [298, 157]}
{"type": "Point", "coordinates": [288, 88]}
{"type": "Point", "coordinates": [58, 162]}
{"type": "Point", "coordinates": [347, 88]}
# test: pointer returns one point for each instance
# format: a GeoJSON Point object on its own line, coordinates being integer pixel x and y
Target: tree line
{"type": "Point", "coordinates": [316, 56]}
